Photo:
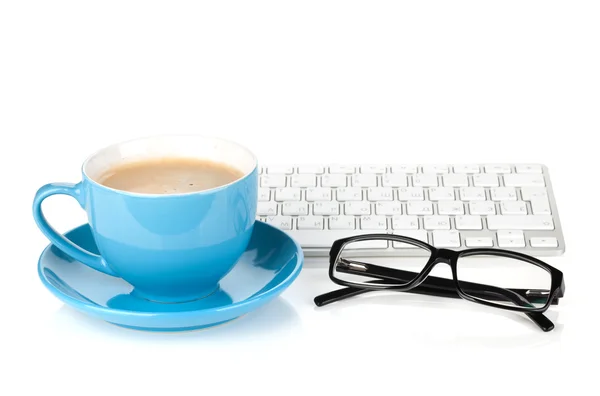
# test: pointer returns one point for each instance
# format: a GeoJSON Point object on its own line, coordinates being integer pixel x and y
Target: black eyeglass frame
{"type": "Point", "coordinates": [447, 256]}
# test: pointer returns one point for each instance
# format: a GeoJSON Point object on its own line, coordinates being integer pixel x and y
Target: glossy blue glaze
{"type": "Point", "coordinates": [172, 248]}
{"type": "Point", "coordinates": [270, 263]}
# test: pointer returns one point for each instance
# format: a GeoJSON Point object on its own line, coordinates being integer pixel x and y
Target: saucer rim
{"type": "Point", "coordinates": [93, 307]}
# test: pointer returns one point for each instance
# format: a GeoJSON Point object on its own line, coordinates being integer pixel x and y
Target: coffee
{"type": "Point", "coordinates": [169, 176]}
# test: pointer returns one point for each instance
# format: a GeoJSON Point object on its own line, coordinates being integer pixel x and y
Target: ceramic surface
{"type": "Point", "coordinates": [171, 247]}
{"type": "Point", "coordinates": [268, 266]}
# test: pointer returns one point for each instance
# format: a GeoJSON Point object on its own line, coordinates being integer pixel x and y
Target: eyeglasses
{"type": "Point", "coordinates": [498, 278]}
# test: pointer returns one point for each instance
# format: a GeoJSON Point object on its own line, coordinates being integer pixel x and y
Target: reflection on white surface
{"type": "Point", "coordinates": [436, 321]}
{"type": "Point", "coordinates": [277, 316]}
{"type": "Point", "coordinates": [418, 322]}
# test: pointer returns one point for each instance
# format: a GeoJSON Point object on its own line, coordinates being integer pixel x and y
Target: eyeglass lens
{"type": "Point", "coordinates": [352, 257]}
{"type": "Point", "coordinates": [502, 274]}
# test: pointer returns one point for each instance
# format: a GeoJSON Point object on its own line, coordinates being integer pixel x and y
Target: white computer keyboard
{"type": "Point", "coordinates": [508, 206]}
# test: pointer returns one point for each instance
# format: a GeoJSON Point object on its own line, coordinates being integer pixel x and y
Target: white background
{"type": "Point", "coordinates": [356, 81]}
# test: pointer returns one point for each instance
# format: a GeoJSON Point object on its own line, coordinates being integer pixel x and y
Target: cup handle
{"type": "Point", "coordinates": [74, 190]}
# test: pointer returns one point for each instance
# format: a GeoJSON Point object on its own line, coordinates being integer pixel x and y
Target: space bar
{"type": "Point", "coordinates": [324, 239]}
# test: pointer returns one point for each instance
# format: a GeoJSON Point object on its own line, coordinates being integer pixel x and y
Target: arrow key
{"type": "Point", "coordinates": [510, 238]}
{"type": "Point", "coordinates": [549, 242]}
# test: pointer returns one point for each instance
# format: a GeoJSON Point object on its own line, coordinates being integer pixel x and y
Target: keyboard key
{"type": "Point", "coordinates": [373, 169]}
{"type": "Point", "coordinates": [524, 180]}
{"type": "Point", "coordinates": [529, 169]}
{"type": "Point", "coordinates": [545, 242]}
{"type": "Point", "coordinates": [435, 168]}
{"type": "Point", "coordinates": [380, 194]}
{"type": "Point", "coordinates": [281, 222]}
{"type": "Point", "coordinates": [529, 193]}
{"type": "Point", "coordinates": [388, 208]}
{"type": "Point", "coordinates": [436, 222]}
{"type": "Point", "coordinates": [373, 223]}
{"type": "Point", "coordinates": [357, 208]}
{"type": "Point", "coordinates": [419, 208]}
{"type": "Point", "coordinates": [510, 239]}
{"type": "Point", "coordinates": [404, 169]}
{"type": "Point", "coordinates": [472, 222]}
{"type": "Point", "coordinates": [482, 208]}
{"type": "Point", "coordinates": [503, 194]}
{"type": "Point", "coordinates": [394, 180]}
{"type": "Point", "coordinates": [341, 223]}
{"type": "Point", "coordinates": [266, 209]}
{"type": "Point", "coordinates": [295, 208]}
{"type": "Point", "coordinates": [318, 194]}
{"type": "Point", "coordinates": [321, 239]}
{"type": "Point", "coordinates": [349, 194]}
{"type": "Point", "coordinates": [272, 181]}
{"type": "Point", "coordinates": [513, 208]}
{"type": "Point", "coordinates": [371, 244]}
{"type": "Point", "coordinates": [479, 242]}
{"type": "Point", "coordinates": [411, 194]}
{"type": "Point", "coordinates": [333, 181]}
{"type": "Point", "coordinates": [534, 222]}
{"type": "Point", "coordinates": [466, 168]}
{"type": "Point", "coordinates": [310, 169]}
{"type": "Point", "coordinates": [486, 180]}
{"type": "Point", "coordinates": [497, 169]}
{"type": "Point", "coordinates": [287, 194]}
{"type": "Point", "coordinates": [310, 223]}
{"type": "Point", "coordinates": [450, 208]}
{"type": "Point", "coordinates": [361, 180]}
{"type": "Point", "coordinates": [418, 235]}
{"type": "Point", "coordinates": [472, 194]}
{"type": "Point", "coordinates": [446, 239]}
{"type": "Point", "coordinates": [455, 180]}
{"type": "Point", "coordinates": [264, 194]}
{"type": "Point", "coordinates": [540, 206]}
{"type": "Point", "coordinates": [285, 170]}
{"type": "Point", "coordinates": [405, 223]}
{"type": "Point", "coordinates": [304, 181]}
{"type": "Point", "coordinates": [326, 208]}
{"type": "Point", "coordinates": [342, 169]}
{"type": "Point", "coordinates": [441, 194]}
{"type": "Point", "coordinates": [425, 180]}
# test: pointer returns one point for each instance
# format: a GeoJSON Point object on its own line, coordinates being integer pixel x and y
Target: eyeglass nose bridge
{"type": "Point", "coordinates": [445, 256]}
{"type": "Point", "coordinates": [442, 256]}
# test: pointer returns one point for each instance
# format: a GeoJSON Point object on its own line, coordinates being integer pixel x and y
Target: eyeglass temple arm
{"type": "Point", "coordinates": [424, 289]}
{"type": "Point", "coordinates": [529, 295]}
{"type": "Point", "coordinates": [347, 292]}
{"type": "Point", "coordinates": [341, 294]}
{"type": "Point", "coordinates": [436, 287]}
{"type": "Point", "coordinates": [432, 286]}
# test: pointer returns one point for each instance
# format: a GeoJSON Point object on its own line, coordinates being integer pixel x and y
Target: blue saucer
{"type": "Point", "coordinates": [270, 264]}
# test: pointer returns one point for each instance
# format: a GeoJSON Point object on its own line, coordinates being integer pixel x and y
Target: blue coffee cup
{"type": "Point", "coordinates": [169, 247]}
